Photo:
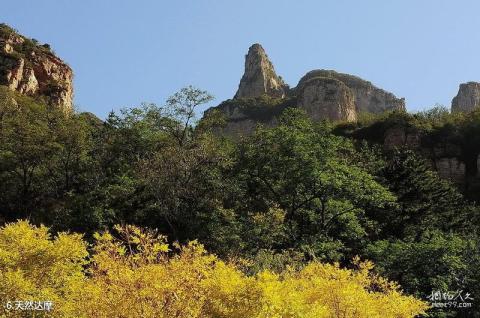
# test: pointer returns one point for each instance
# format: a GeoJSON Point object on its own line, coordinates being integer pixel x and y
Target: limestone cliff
{"type": "Point", "coordinates": [34, 70]}
{"type": "Point", "coordinates": [444, 147]}
{"type": "Point", "coordinates": [443, 154]}
{"type": "Point", "coordinates": [323, 98]}
{"type": "Point", "coordinates": [259, 77]}
{"type": "Point", "coordinates": [368, 98]}
{"type": "Point", "coordinates": [468, 97]}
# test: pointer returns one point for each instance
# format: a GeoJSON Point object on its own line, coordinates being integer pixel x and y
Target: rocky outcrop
{"type": "Point", "coordinates": [443, 155]}
{"type": "Point", "coordinates": [399, 137]}
{"type": "Point", "coordinates": [450, 169]}
{"type": "Point", "coordinates": [239, 117]}
{"type": "Point", "coordinates": [323, 98]}
{"type": "Point", "coordinates": [446, 157]}
{"type": "Point", "coordinates": [238, 121]}
{"type": "Point", "coordinates": [468, 97]}
{"type": "Point", "coordinates": [323, 94]}
{"type": "Point", "coordinates": [368, 98]}
{"type": "Point", "coordinates": [260, 77]}
{"type": "Point", "coordinates": [33, 70]}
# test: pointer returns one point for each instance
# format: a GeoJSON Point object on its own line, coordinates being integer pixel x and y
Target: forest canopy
{"type": "Point", "coordinates": [290, 207]}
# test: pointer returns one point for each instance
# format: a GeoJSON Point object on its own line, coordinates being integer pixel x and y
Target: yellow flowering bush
{"type": "Point", "coordinates": [33, 266]}
{"type": "Point", "coordinates": [134, 273]}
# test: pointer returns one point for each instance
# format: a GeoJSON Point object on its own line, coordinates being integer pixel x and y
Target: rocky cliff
{"type": "Point", "coordinates": [323, 97]}
{"type": "Point", "coordinates": [368, 98]}
{"type": "Point", "coordinates": [34, 70]}
{"type": "Point", "coordinates": [451, 147]}
{"type": "Point", "coordinates": [323, 94]}
{"type": "Point", "coordinates": [260, 77]}
{"type": "Point", "coordinates": [444, 155]}
{"type": "Point", "coordinates": [468, 97]}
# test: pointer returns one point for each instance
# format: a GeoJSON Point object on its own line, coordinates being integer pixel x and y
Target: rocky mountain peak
{"type": "Point", "coordinates": [32, 69]}
{"type": "Point", "coordinates": [322, 94]}
{"type": "Point", "coordinates": [468, 97]}
{"type": "Point", "coordinates": [259, 77]}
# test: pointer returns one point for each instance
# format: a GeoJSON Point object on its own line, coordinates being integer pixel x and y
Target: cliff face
{"type": "Point", "coordinates": [468, 97]}
{"type": "Point", "coordinates": [368, 98]}
{"type": "Point", "coordinates": [259, 77]}
{"type": "Point", "coordinates": [33, 70]}
{"type": "Point", "coordinates": [444, 155]}
{"type": "Point", "coordinates": [330, 98]}
{"type": "Point", "coordinates": [446, 148]}
{"type": "Point", "coordinates": [323, 94]}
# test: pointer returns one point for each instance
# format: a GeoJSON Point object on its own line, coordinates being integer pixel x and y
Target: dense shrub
{"type": "Point", "coordinates": [136, 274]}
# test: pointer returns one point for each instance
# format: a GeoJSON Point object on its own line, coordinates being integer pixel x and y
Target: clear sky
{"type": "Point", "coordinates": [124, 52]}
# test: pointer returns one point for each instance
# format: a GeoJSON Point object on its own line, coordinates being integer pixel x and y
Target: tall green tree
{"type": "Point", "coordinates": [308, 174]}
{"type": "Point", "coordinates": [425, 201]}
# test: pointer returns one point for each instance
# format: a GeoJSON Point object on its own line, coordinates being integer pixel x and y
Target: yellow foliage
{"type": "Point", "coordinates": [33, 266]}
{"type": "Point", "coordinates": [136, 274]}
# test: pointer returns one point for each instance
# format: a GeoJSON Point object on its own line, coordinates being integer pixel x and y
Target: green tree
{"type": "Point", "coordinates": [308, 174]}
{"type": "Point", "coordinates": [27, 144]}
{"type": "Point", "coordinates": [436, 261]}
{"type": "Point", "coordinates": [183, 179]}
{"type": "Point", "coordinates": [424, 200]}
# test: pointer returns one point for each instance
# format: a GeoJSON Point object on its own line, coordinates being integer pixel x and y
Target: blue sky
{"type": "Point", "coordinates": [125, 52]}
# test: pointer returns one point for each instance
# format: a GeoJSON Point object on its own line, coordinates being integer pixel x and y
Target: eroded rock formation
{"type": "Point", "coordinates": [330, 98]}
{"type": "Point", "coordinates": [32, 69]}
{"type": "Point", "coordinates": [323, 94]}
{"type": "Point", "coordinates": [368, 98]}
{"type": "Point", "coordinates": [468, 97]}
{"type": "Point", "coordinates": [259, 77]}
{"type": "Point", "coordinates": [446, 157]}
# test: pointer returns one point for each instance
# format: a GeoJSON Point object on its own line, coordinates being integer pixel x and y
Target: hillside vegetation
{"type": "Point", "coordinates": [286, 214]}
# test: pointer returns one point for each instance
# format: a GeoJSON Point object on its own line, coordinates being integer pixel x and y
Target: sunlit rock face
{"type": "Point", "coordinates": [368, 98]}
{"type": "Point", "coordinates": [468, 98]}
{"type": "Point", "coordinates": [323, 94]}
{"type": "Point", "coordinates": [323, 98]}
{"type": "Point", "coordinates": [33, 70]}
{"type": "Point", "coordinates": [259, 77]}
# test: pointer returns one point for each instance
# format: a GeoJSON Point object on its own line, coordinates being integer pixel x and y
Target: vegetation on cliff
{"type": "Point", "coordinates": [34, 70]}
{"type": "Point", "coordinates": [26, 45]}
{"type": "Point", "coordinates": [434, 133]}
{"type": "Point", "coordinates": [263, 108]}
